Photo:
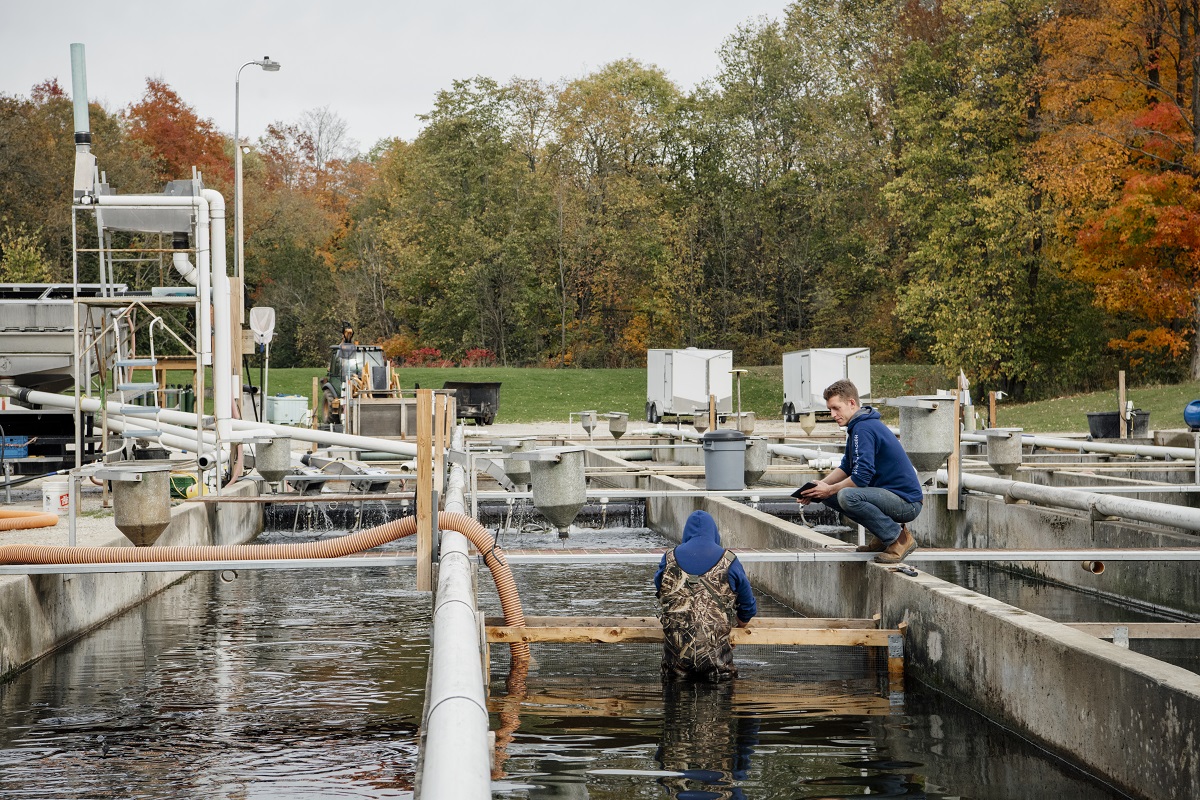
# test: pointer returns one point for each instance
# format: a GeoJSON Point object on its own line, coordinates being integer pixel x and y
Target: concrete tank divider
{"type": "Point", "coordinates": [1118, 714]}
{"type": "Point", "coordinates": [39, 613]}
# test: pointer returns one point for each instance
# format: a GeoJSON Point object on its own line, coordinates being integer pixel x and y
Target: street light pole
{"type": "Point", "coordinates": [239, 262]}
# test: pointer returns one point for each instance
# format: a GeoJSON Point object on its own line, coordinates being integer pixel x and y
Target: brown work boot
{"type": "Point", "coordinates": [876, 545]}
{"type": "Point", "coordinates": [896, 552]}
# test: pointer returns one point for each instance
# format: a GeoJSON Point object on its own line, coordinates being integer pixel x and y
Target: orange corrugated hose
{"type": "Point", "coordinates": [13, 519]}
{"type": "Point", "coordinates": [478, 535]}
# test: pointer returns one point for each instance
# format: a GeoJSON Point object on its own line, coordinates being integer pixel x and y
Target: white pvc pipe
{"type": "Point", "coordinates": [207, 457]}
{"type": "Point", "coordinates": [1145, 450]}
{"type": "Point", "coordinates": [327, 438]}
{"type": "Point", "coordinates": [183, 265]}
{"type": "Point", "coordinates": [1098, 504]}
{"type": "Point", "coordinates": [222, 319]}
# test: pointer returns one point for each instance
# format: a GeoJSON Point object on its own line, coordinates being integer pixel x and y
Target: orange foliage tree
{"type": "Point", "coordinates": [1120, 158]}
{"type": "Point", "coordinates": [178, 138]}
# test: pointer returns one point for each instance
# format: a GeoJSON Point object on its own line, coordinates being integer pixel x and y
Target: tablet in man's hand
{"type": "Point", "coordinates": [800, 492]}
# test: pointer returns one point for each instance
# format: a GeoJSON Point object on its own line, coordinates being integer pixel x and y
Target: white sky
{"type": "Point", "coordinates": [375, 63]}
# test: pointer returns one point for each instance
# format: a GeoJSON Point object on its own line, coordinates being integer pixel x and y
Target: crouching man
{"type": "Point", "coordinates": [704, 592]}
{"type": "Point", "coordinates": [876, 484]}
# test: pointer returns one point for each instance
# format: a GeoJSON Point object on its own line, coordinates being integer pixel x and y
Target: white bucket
{"type": "Point", "coordinates": [56, 497]}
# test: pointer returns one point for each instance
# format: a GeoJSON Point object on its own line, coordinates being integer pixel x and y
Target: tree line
{"type": "Point", "coordinates": [1007, 187]}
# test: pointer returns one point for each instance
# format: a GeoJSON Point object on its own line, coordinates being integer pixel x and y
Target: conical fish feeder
{"type": "Point", "coordinates": [273, 458]}
{"type": "Point", "coordinates": [1004, 450]}
{"type": "Point", "coordinates": [559, 484]}
{"type": "Point", "coordinates": [618, 423]}
{"type": "Point", "coordinates": [141, 499]}
{"type": "Point", "coordinates": [758, 458]}
{"type": "Point", "coordinates": [926, 430]}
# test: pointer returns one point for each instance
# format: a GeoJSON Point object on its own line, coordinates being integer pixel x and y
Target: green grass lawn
{"type": "Point", "coordinates": [537, 395]}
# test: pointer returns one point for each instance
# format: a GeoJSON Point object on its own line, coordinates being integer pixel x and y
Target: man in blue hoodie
{"type": "Point", "coordinates": [704, 592]}
{"type": "Point", "coordinates": [875, 485]}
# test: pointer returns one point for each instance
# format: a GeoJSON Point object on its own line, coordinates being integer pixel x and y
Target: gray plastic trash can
{"type": "Point", "coordinates": [724, 460]}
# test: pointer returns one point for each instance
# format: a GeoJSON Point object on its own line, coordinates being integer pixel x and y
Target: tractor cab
{"type": "Point", "coordinates": [346, 361]}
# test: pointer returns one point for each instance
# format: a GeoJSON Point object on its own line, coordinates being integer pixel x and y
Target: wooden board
{"type": "Point", "coordinates": [652, 622]}
{"type": "Point", "coordinates": [841, 637]}
{"type": "Point", "coordinates": [1141, 630]}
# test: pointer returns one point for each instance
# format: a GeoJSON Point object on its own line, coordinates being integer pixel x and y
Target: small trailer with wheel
{"type": "Point", "coordinates": [806, 373]}
{"type": "Point", "coordinates": [476, 400]}
{"type": "Point", "coordinates": [679, 382]}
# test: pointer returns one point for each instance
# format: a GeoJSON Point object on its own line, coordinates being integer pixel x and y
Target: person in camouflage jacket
{"type": "Point", "coordinates": [704, 592]}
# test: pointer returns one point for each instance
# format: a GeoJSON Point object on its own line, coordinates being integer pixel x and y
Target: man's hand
{"type": "Point", "coordinates": [818, 492]}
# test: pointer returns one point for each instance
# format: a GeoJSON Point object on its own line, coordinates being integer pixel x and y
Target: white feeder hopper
{"type": "Point", "coordinates": [141, 499]}
{"type": "Point", "coordinates": [273, 458]}
{"type": "Point", "coordinates": [1004, 450]}
{"type": "Point", "coordinates": [926, 429]}
{"type": "Point", "coordinates": [559, 484]}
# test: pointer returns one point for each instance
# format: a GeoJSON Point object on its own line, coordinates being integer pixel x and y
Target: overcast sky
{"type": "Point", "coordinates": [375, 63]}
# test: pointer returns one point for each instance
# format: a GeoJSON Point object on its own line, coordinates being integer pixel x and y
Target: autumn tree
{"type": "Point", "coordinates": [1121, 158]}
{"type": "Point", "coordinates": [177, 137]}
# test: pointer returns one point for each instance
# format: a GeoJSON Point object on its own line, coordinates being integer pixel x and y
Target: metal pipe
{"type": "Point", "coordinates": [649, 556]}
{"type": "Point", "coordinates": [1099, 505]}
{"type": "Point", "coordinates": [246, 426]}
{"type": "Point", "coordinates": [1145, 450]}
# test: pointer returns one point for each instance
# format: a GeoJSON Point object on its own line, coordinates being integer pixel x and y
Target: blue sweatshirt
{"type": "Point", "coordinates": [874, 457]}
{"type": "Point", "coordinates": [700, 551]}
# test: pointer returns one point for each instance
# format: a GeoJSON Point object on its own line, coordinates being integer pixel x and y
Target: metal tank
{"type": "Point", "coordinates": [559, 484]}
{"type": "Point", "coordinates": [1004, 450]}
{"type": "Point", "coordinates": [141, 500]}
{"type": "Point", "coordinates": [926, 429]}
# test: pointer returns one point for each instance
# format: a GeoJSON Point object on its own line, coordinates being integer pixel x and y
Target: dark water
{"type": "Point", "coordinates": [595, 721]}
{"type": "Point", "coordinates": [276, 685]}
{"type": "Point", "coordinates": [301, 684]}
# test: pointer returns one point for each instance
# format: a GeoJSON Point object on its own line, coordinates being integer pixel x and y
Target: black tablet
{"type": "Point", "coordinates": [803, 489]}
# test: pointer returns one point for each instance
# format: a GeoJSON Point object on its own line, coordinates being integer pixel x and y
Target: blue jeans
{"type": "Point", "coordinates": [878, 510]}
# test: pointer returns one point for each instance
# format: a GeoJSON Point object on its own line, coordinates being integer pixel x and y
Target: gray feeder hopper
{"type": "Point", "coordinates": [724, 460]}
{"type": "Point", "coordinates": [745, 422]}
{"type": "Point", "coordinates": [559, 484]}
{"type": "Point", "coordinates": [517, 469]}
{"type": "Point", "coordinates": [758, 458]}
{"type": "Point", "coordinates": [618, 423]}
{"type": "Point", "coordinates": [1004, 450]}
{"type": "Point", "coordinates": [588, 420]}
{"type": "Point", "coordinates": [273, 458]}
{"type": "Point", "coordinates": [926, 429]}
{"type": "Point", "coordinates": [808, 422]}
{"type": "Point", "coordinates": [141, 499]}
{"type": "Point", "coordinates": [700, 419]}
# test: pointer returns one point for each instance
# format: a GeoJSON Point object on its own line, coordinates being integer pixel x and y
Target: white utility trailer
{"type": "Point", "coordinates": [806, 373]}
{"type": "Point", "coordinates": [679, 382]}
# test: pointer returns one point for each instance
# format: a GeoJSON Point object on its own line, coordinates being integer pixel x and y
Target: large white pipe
{"type": "Point", "coordinates": [207, 457]}
{"type": "Point", "coordinates": [203, 266]}
{"type": "Point", "coordinates": [185, 268]}
{"type": "Point", "coordinates": [222, 318]}
{"type": "Point", "coordinates": [249, 427]}
{"type": "Point", "coordinates": [1144, 450]}
{"type": "Point", "coordinates": [1098, 504]}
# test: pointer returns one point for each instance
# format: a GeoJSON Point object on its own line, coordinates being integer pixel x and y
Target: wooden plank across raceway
{"type": "Point", "coordinates": [648, 629]}
{"type": "Point", "coordinates": [1140, 630]}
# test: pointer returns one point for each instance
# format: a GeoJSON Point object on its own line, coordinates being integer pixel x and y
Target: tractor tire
{"type": "Point", "coordinates": [789, 413]}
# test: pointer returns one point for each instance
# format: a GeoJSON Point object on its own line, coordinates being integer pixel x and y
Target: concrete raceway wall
{"type": "Point", "coordinates": [39, 613]}
{"type": "Point", "coordinates": [1127, 717]}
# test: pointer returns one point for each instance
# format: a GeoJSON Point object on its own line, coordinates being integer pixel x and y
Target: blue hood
{"type": "Point", "coordinates": [701, 547]}
{"type": "Point", "coordinates": [863, 414]}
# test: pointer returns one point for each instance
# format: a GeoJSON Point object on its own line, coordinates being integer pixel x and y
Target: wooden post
{"type": "Point", "coordinates": [424, 490]}
{"type": "Point", "coordinates": [954, 465]}
{"type": "Point", "coordinates": [1121, 404]}
{"type": "Point", "coordinates": [992, 410]}
{"type": "Point", "coordinates": [440, 441]}
{"type": "Point", "coordinates": [316, 408]}
{"type": "Point", "coordinates": [712, 412]}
